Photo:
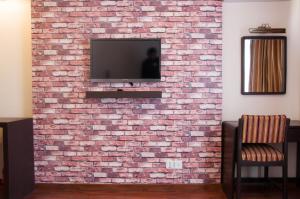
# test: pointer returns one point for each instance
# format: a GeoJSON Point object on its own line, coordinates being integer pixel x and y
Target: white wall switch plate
{"type": "Point", "coordinates": [174, 164]}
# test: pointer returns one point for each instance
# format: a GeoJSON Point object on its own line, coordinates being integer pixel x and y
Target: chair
{"type": "Point", "coordinates": [255, 134]}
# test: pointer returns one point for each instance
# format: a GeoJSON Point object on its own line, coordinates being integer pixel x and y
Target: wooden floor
{"type": "Point", "coordinates": [127, 192]}
{"type": "Point", "coordinates": [153, 192]}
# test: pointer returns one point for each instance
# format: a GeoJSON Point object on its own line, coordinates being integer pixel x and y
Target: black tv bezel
{"type": "Point", "coordinates": [123, 80]}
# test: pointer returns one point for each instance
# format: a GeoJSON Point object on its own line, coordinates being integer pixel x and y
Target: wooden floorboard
{"type": "Point", "coordinates": [48, 191]}
{"type": "Point", "coordinates": [127, 192]}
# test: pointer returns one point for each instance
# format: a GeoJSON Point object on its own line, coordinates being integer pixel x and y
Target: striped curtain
{"type": "Point", "coordinates": [263, 128]}
{"type": "Point", "coordinates": [267, 65]}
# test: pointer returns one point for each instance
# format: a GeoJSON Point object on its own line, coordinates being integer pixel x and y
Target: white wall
{"type": "Point", "coordinates": [294, 28]}
{"type": "Point", "coordinates": [15, 58]}
{"type": "Point", "coordinates": [15, 61]}
{"type": "Point", "coordinates": [238, 17]}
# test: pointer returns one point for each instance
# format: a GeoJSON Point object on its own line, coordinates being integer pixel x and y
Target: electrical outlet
{"type": "Point", "coordinates": [174, 164]}
{"type": "Point", "coordinates": [178, 164]}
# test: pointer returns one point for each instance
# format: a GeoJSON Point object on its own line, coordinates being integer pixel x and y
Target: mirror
{"type": "Point", "coordinates": [263, 65]}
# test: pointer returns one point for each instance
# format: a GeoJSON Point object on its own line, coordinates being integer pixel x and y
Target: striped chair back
{"type": "Point", "coordinates": [263, 128]}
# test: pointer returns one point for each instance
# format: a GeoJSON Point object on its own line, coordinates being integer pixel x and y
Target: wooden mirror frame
{"type": "Point", "coordinates": [284, 38]}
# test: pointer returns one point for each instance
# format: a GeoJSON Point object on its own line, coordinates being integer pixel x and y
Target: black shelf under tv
{"type": "Point", "coordinates": [123, 94]}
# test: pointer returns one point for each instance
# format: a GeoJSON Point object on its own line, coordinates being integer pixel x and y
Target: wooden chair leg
{"type": "Point", "coordinates": [284, 184]}
{"type": "Point", "coordinates": [238, 182]}
{"type": "Point", "coordinates": [266, 173]}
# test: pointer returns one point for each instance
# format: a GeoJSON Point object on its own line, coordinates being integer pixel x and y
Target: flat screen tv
{"type": "Point", "coordinates": [125, 60]}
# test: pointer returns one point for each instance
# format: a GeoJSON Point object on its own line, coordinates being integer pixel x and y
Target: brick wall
{"type": "Point", "coordinates": [127, 140]}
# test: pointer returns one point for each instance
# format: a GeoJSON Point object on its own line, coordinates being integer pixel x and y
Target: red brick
{"type": "Point", "coordinates": [127, 140]}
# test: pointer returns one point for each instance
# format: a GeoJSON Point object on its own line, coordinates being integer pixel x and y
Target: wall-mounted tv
{"type": "Point", "coordinates": [125, 60]}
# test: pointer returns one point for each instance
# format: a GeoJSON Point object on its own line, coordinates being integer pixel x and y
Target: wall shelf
{"type": "Point", "coordinates": [123, 94]}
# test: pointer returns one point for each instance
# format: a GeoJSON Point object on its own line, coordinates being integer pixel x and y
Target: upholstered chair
{"type": "Point", "coordinates": [256, 135]}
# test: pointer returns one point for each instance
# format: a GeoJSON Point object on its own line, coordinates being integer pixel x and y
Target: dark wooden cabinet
{"type": "Point", "coordinates": [18, 157]}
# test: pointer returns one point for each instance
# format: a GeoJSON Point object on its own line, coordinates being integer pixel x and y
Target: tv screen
{"type": "Point", "coordinates": [125, 60]}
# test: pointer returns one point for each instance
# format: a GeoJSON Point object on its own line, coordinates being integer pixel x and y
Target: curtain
{"type": "Point", "coordinates": [267, 65]}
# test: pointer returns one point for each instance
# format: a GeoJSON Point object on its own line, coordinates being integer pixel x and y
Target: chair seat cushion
{"type": "Point", "coordinates": [261, 153]}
